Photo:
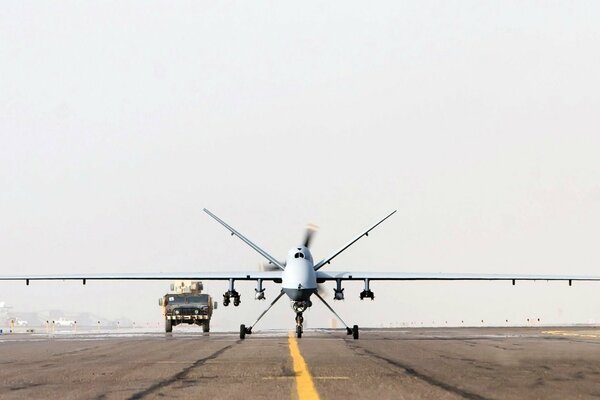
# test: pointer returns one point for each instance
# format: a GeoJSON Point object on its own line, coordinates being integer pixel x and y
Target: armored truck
{"type": "Point", "coordinates": [187, 306]}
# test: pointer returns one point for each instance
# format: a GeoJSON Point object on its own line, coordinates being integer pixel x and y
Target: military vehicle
{"type": "Point", "coordinates": [187, 305]}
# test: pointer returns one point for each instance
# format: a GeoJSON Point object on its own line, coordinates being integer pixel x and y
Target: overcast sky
{"type": "Point", "coordinates": [478, 121]}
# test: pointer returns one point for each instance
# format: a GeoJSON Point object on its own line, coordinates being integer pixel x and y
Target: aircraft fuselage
{"type": "Point", "coordinates": [299, 279]}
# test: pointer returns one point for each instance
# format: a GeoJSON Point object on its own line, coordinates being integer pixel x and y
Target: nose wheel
{"type": "Point", "coordinates": [299, 322]}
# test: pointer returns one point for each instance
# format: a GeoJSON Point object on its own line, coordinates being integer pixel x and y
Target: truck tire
{"type": "Point", "coordinates": [168, 326]}
{"type": "Point", "coordinates": [206, 327]}
{"type": "Point", "coordinates": [242, 332]}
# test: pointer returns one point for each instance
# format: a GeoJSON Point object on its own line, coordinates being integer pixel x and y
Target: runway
{"type": "Point", "coordinates": [460, 363]}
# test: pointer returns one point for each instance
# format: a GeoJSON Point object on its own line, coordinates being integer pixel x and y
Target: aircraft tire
{"type": "Point", "coordinates": [242, 331]}
{"type": "Point", "coordinates": [355, 332]}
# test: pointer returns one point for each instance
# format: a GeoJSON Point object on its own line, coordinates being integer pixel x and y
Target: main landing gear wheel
{"type": "Point", "coordinates": [244, 331]}
{"type": "Point", "coordinates": [355, 332]}
{"type": "Point", "coordinates": [298, 332]}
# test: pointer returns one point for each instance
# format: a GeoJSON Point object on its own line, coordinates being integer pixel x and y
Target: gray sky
{"type": "Point", "coordinates": [120, 121]}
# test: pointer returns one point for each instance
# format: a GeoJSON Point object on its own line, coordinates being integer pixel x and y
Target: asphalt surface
{"type": "Point", "coordinates": [467, 363]}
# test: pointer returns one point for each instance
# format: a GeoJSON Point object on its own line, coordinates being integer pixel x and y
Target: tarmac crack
{"type": "Point", "coordinates": [419, 375]}
{"type": "Point", "coordinates": [180, 375]}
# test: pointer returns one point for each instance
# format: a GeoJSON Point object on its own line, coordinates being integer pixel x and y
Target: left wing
{"type": "Point", "coordinates": [327, 260]}
{"type": "Point", "coordinates": [323, 276]}
{"type": "Point", "coordinates": [208, 276]}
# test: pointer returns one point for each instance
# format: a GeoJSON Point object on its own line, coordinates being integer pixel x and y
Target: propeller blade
{"type": "Point", "coordinates": [310, 231]}
{"type": "Point", "coordinates": [321, 289]}
{"type": "Point", "coordinates": [267, 266]}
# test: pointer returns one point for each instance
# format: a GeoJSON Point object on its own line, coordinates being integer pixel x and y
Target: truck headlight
{"type": "Point", "coordinates": [176, 311]}
{"type": "Point", "coordinates": [196, 311]}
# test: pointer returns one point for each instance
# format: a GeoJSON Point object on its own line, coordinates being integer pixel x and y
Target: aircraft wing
{"type": "Point", "coordinates": [421, 276]}
{"type": "Point", "coordinates": [205, 276]}
{"type": "Point", "coordinates": [327, 260]}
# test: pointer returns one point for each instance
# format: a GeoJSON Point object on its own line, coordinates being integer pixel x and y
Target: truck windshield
{"type": "Point", "coordinates": [198, 298]}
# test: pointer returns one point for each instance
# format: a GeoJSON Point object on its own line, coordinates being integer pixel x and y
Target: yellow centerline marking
{"type": "Point", "coordinates": [304, 382]}
{"type": "Point", "coordinates": [317, 378]}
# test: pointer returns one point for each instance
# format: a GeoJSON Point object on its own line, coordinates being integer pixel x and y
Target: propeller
{"type": "Point", "coordinates": [311, 229]}
{"type": "Point", "coordinates": [322, 289]}
{"type": "Point", "coordinates": [267, 266]}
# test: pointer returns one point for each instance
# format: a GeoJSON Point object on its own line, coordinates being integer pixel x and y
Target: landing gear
{"type": "Point", "coordinates": [301, 306]}
{"type": "Point", "coordinates": [244, 330]}
{"type": "Point", "coordinates": [349, 331]}
{"type": "Point", "coordinates": [299, 322]}
{"type": "Point", "coordinates": [248, 330]}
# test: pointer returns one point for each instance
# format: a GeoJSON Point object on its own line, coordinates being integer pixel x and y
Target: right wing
{"type": "Point", "coordinates": [274, 276]}
{"type": "Point", "coordinates": [323, 276]}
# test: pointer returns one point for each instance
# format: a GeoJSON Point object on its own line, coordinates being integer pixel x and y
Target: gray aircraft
{"type": "Point", "coordinates": [299, 277]}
